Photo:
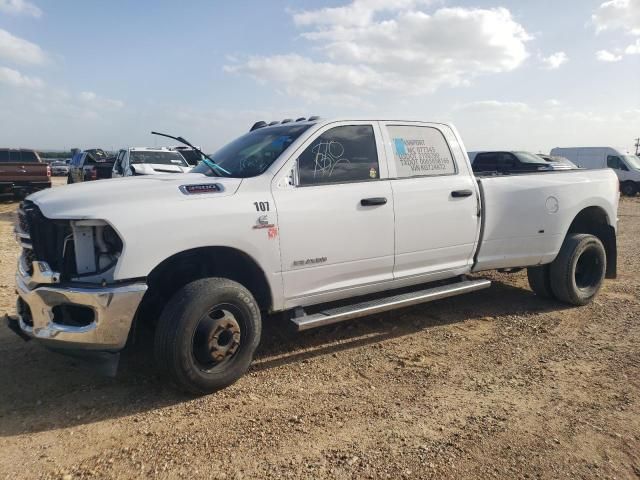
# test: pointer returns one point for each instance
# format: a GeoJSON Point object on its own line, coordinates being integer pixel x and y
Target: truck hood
{"type": "Point", "coordinates": [158, 168]}
{"type": "Point", "coordinates": [103, 199]}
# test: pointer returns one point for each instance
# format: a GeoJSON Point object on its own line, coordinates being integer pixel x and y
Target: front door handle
{"type": "Point", "coordinates": [371, 202]}
{"type": "Point", "coordinates": [461, 193]}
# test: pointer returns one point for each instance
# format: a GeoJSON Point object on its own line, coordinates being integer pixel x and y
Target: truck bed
{"type": "Point", "coordinates": [526, 216]}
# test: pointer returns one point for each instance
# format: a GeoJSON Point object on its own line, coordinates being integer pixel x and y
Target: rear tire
{"type": "Point", "coordinates": [578, 271]}
{"type": "Point", "coordinates": [69, 180]}
{"type": "Point", "coordinates": [628, 189]}
{"type": "Point", "coordinates": [207, 335]}
{"type": "Point", "coordinates": [540, 281]}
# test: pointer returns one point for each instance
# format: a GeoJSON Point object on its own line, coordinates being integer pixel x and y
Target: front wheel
{"type": "Point", "coordinates": [628, 189]}
{"type": "Point", "coordinates": [207, 335]}
{"type": "Point", "coordinates": [578, 271]}
{"type": "Point", "coordinates": [69, 179]}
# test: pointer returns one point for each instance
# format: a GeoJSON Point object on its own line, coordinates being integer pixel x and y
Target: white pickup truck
{"type": "Point", "coordinates": [323, 220]}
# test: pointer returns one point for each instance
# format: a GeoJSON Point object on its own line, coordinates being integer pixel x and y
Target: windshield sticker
{"type": "Point", "coordinates": [373, 173]}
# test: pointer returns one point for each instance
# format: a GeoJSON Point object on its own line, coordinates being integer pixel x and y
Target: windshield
{"type": "Point", "coordinates": [251, 154]}
{"type": "Point", "coordinates": [160, 158]}
{"type": "Point", "coordinates": [526, 157]}
{"type": "Point", "coordinates": [191, 156]}
{"type": "Point", "coordinates": [632, 161]}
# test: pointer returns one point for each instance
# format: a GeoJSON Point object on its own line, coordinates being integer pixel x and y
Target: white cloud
{"type": "Point", "coordinates": [555, 60]}
{"type": "Point", "coordinates": [618, 15]}
{"type": "Point", "coordinates": [540, 127]}
{"type": "Point", "coordinates": [489, 106]}
{"type": "Point", "coordinates": [19, 50]}
{"type": "Point", "coordinates": [407, 51]}
{"type": "Point", "coordinates": [93, 100]}
{"type": "Point", "coordinates": [607, 56]}
{"type": "Point", "coordinates": [20, 7]}
{"type": "Point", "coordinates": [356, 13]}
{"type": "Point", "coordinates": [633, 49]}
{"type": "Point", "coordinates": [17, 79]}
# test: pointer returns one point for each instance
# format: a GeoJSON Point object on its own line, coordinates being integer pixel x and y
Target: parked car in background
{"type": "Point", "coordinates": [22, 172]}
{"type": "Point", "coordinates": [558, 162]}
{"type": "Point", "coordinates": [626, 166]}
{"type": "Point", "coordinates": [148, 161]}
{"type": "Point", "coordinates": [92, 164]}
{"type": "Point", "coordinates": [506, 162]}
{"type": "Point", "coordinates": [192, 156]}
{"type": "Point", "coordinates": [59, 169]}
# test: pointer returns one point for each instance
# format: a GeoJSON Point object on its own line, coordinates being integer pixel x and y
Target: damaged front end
{"type": "Point", "coordinates": [67, 296]}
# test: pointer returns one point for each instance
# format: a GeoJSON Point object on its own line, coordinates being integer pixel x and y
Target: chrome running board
{"type": "Point", "coordinates": [340, 314]}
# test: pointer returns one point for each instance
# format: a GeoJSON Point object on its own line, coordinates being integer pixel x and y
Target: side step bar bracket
{"type": "Point", "coordinates": [370, 307]}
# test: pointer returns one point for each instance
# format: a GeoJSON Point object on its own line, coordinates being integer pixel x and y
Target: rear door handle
{"type": "Point", "coordinates": [461, 193]}
{"type": "Point", "coordinates": [371, 202]}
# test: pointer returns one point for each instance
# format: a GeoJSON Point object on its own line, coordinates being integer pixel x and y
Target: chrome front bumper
{"type": "Point", "coordinates": [113, 311]}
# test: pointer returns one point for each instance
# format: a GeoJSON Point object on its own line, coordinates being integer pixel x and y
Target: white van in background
{"type": "Point", "coordinates": [626, 166]}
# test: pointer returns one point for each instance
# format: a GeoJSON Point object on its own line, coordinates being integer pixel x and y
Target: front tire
{"type": "Point", "coordinates": [628, 189]}
{"type": "Point", "coordinates": [69, 179]}
{"type": "Point", "coordinates": [578, 271]}
{"type": "Point", "coordinates": [207, 335]}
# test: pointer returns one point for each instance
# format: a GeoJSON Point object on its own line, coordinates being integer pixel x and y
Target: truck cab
{"type": "Point", "coordinates": [148, 161]}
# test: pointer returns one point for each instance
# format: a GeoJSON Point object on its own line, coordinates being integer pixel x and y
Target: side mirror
{"type": "Point", "coordinates": [624, 167]}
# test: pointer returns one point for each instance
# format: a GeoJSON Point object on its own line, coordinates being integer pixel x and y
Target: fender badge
{"type": "Point", "coordinates": [200, 188]}
{"type": "Point", "coordinates": [263, 222]}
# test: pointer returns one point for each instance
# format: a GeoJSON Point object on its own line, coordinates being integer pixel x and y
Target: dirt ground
{"type": "Point", "coordinates": [496, 384]}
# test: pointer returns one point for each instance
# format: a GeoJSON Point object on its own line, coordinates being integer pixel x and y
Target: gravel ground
{"type": "Point", "coordinates": [498, 383]}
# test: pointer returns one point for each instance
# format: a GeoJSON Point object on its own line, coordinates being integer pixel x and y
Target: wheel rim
{"type": "Point", "coordinates": [628, 190]}
{"type": "Point", "coordinates": [589, 269]}
{"type": "Point", "coordinates": [217, 337]}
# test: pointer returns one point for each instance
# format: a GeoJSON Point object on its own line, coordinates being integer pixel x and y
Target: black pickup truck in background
{"type": "Point", "coordinates": [92, 164]}
{"type": "Point", "coordinates": [22, 172]}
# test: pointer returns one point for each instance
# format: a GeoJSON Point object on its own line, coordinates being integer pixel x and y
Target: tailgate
{"type": "Point", "coordinates": [23, 172]}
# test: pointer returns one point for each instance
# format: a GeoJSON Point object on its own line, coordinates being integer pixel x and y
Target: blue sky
{"type": "Point", "coordinates": [510, 74]}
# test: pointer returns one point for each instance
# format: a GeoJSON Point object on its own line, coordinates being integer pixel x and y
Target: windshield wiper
{"type": "Point", "coordinates": [208, 161]}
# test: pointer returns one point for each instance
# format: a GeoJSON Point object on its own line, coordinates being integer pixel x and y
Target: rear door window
{"type": "Point", "coordinates": [340, 155]}
{"type": "Point", "coordinates": [5, 157]}
{"type": "Point", "coordinates": [420, 151]}
{"type": "Point", "coordinates": [28, 156]}
{"type": "Point", "coordinates": [486, 162]}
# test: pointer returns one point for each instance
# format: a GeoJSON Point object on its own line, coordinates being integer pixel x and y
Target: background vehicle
{"type": "Point", "coordinates": [626, 166]}
{"type": "Point", "coordinates": [558, 162]}
{"type": "Point", "coordinates": [22, 172]}
{"type": "Point", "coordinates": [192, 157]}
{"type": "Point", "coordinates": [59, 169]}
{"type": "Point", "coordinates": [371, 214]}
{"type": "Point", "coordinates": [92, 164]}
{"type": "Point", "coordinates": [148, 161]}
{"type": "Point", "coordinates": [511, 162]}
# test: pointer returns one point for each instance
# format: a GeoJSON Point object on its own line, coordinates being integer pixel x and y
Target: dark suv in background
{"type": "Point", "coordinates": [512, 162]}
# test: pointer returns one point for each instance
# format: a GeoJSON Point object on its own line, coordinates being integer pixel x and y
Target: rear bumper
{"type": "Point", "coordinates": [26, 187]}
{"type": "Point", "coordinates": [106, 328]}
